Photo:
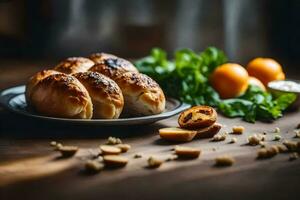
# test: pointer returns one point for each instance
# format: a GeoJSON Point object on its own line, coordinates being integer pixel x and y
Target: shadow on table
{"type": "Point", "coordinates": [15, 126]}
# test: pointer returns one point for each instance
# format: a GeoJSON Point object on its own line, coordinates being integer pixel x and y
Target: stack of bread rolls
{"type": "Point", "coordinates": [102, 86]}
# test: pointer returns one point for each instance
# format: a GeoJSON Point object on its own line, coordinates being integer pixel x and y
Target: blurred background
{"type": "Point", "coordinates": [55, 29]}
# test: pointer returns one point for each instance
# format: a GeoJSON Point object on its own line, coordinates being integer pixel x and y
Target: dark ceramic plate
{"type": "Point", "coordinates": [14, 100]}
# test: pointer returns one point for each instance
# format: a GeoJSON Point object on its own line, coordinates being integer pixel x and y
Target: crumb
{"type": "Point", "coordinates": [233, 140]}
{"type": "Point", "coordinates": [291, 146]}
{"type": "Point", "coordinates": [277, 137]}
{"type": "Point", "coordinates": [113, 141]}
{"type": "Point", "coordinates": [53, 143]}
{"type": "Point", "coordinates": [224, 161]}
{"type": "Point", "coordinates": [262, 144]}
{"type": "Point", "coordinates": [268, 152]}
{"type": "Point", "coordinates": [93, 166]}
{"type": "Point", "coordinates": [137, 155]}
{"type": "Point", "coordinates": [255, 139]}
{"type": "Point", "coordinates": [238, 130]}
{"type": "Point", "coordinates": [154, 162]}
{"type": "Point", "coordinates": [219, 137]}
{"type": "Point", "coordinates": [277, 130]}
{"type": "Point", "coordinates": [297, 133]}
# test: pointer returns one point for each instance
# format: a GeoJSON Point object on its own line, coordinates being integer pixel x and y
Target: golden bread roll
{"type": "Point", "coordinates": [99, 57]}
{"type": "Point", "coordinates": [113, 67]}
{"type": "Point", "coordinates": [106, 95]}
{"type": "Point", "coordinates": [34, 80]}
{"type": "Point", "coordinates": [62, 95]}
{"type": "Point", "coordinates": [74, 65]}
{"type": "Point", "coordinates": [142, 95]}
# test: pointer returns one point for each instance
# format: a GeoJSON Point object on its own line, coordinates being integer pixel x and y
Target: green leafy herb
{"type": "Point", "coordinates": [187, 77]}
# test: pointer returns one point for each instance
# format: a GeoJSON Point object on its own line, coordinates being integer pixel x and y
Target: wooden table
{"type": "Point", "coordinates": [30, 169]}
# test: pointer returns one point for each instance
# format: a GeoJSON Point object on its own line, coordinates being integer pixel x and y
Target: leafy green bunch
{"type": "Point", "coordinates": [187, 77]}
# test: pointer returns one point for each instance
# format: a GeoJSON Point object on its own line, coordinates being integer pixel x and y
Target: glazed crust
{"type": "Point", "coordinates": [142, 95]}
{"type": "Point", "coordinates": [113, 67]}
{"type": "Point", "coordinates": [74, 65]}
{"type": "Point", "coordinates": [106, 95]}
{"type": "Point", "coordinates": [62, 95]}
{"type": "Point", "coordinates": [197, 117]}
{"type": "Point", "coordinates": [100, 57]}
{"type": "Point", "coordinates": [34, 80]}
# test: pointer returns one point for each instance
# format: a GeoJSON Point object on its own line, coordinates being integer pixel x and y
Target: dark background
{"type": "Point", "coordinates": [54, 29]}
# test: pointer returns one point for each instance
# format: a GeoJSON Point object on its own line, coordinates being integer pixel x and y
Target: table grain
{"type": "Point", "coordinates": [31, 169]}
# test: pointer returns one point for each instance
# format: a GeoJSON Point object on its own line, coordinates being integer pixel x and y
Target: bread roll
{"type": "Point", "coordinates": [62, 95]}
{"type": "Point", "coordinates": [74, 65]}
{"type": "Point", "coordinates": [34, 80]}
{"type": "Point", "coordinates": [99, 57]}
{"type": "Point", "coordinates": [142, 95]}
{"type": "Point", "coordinates": [106, 95]}
{"type": "Point", "coordinates": [113, 67]}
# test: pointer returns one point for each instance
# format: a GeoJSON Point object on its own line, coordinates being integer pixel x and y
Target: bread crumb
{"type": "Point", "coordinates": [233, 140]}
{"type": "Point", "coordinates": [154, 162]}
{"type": "Point", "coordinates": [277, 130]}
{"type": "Point", "coordinates": [255, 139]}
{"type": "Point", "coordinates": [219, 137]}
{"type": "Point", "coordinates": [267, 152]}
{"type": "Point", "coordinates": [277, 137]}
{"type": "Point", "coordinates": [137, 155]}
{"type": "Point", "coordinates": [297, 133]}
{"type": "Point", "coordinates": [53, 143]}
{"type": "Point", "coordinates": [238, 130]}
{"type": "Point", "coordinates": [113, 141]}
{"type": "Point", "coordinates": [224, 160]}
{"type": "Point", "coordinates": [93, 166]}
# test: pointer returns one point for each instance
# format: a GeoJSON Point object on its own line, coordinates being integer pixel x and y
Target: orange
{"type": "Point", "coordinates": [230, 80]}
{"type": "Point", "coordinates": [256, 82]}
{"type": "Point", "coordinates": [266, 70]}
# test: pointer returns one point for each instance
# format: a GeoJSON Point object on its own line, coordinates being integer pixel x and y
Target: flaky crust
{"type": "Point", "coordinates": [74, 65]}
{"type": "Point", "coordinates": [34, 80]}
{"type": "Point", "coordinates": [142, 95]}
{"type": "Point", "coordinates": [100, 57]}
{"type": "Point", "coordinates": [106, 95]}
{"type": "Point", "coordinates": [61, 95]}
{"type": "Point", "coordinates": [113, 67]}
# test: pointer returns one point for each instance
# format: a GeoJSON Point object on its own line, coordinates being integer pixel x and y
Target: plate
{"type": "Point", "coordinates": [14, 100]}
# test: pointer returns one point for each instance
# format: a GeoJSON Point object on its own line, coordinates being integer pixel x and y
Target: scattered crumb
{"type": "Point", "coordinates": [113, 141]}
{"type": "Point", "coordinates": [219, 137]}
{"type": "Point", "coordinates": [187, 152]}
{"type": "Point", "coordinates": [94, 166]}
{"type": "Point", "coordinates": [297, 133]}
{"type": "Point", "coordinates": [137, 155]}
{"type": "Point", "coordinates": [68, 151]}
{"type": "Point", "coordinates": [53, 143]}
{"type": "Point", "coordinates": [294, 156]}
{"type": "Point", "coordinates": [238, 130]}
{"type": "Point", "coordinates": [262, 144]}
{"type": "Point", "coordinates": [268, 152]}
{"type": "Point", "coordinates": [277, 130]}
{"type": "Point", "coordinates": [277, 137]}
{"type": "Point", "coordinates": [154, 162]}
{"type": "Point", "coordinates": [233, 140]}
{"type": "Point", "coordinates": [255, 139]}
{"type": "Point", "coordinates": [292, 146]}
{"type": "Point", "coordinates": [224, 160]}
{"type": "Point", "coordinates": [264, 133]}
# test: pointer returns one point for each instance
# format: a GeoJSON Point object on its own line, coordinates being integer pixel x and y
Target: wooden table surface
{"type": "Point", "coordinates": [30, 169]}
